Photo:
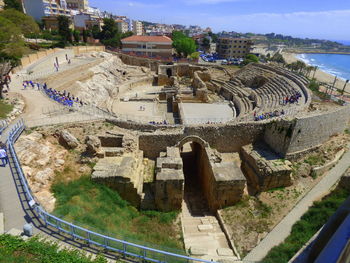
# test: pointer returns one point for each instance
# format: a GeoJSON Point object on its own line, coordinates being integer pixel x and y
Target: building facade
{"type": "Point", "coordinates": [233, 47]}
{"type": "Point", "coordinates": [43, 8]}
{"type": "Point", "coordinates": [151, 46]}
{"type": "Point", "coordinates": [137, 28]}
{"type": "Point", "coordinates": [123, 26]}
{"type": "Point", "coordinates": [81, 5]}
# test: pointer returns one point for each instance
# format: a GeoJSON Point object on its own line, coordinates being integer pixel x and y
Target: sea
{"type": "Point", "coordinates": [335, 64]}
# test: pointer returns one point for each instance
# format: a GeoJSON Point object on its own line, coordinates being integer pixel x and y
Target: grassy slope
{"type": "Point", "coordinates": [101, 209]}
{"type": "Point", "coordinates": [306, 227]}
{"type": "Point", "coordinates": [4, 109]}
{"type": "Point", "coordinates": [15, 250]}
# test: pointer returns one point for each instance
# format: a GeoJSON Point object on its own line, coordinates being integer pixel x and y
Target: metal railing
{"type": "Point", "coordinates": [3, 125]}
{"type": "Point", "coordinates": [76, 232]}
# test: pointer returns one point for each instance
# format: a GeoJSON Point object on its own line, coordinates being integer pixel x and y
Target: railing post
{"type": "Point", "coordinates": [88, 237]}
{"type": "Point", "coordinates": [124, 250]}
{"type": "Point", "coordinates": [144, 255]}
{"type": "Point", "coordinates": [72, 231]}
{"type": "Point", "coordinates": [106, 243]}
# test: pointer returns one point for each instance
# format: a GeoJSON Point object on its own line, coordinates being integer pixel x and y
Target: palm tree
{"type": "Point", "coordinates": [308, 70]}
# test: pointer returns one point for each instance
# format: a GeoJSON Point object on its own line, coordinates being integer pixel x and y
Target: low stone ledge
{"type": "Point", "coordinates": [227, 233]}
{"type": "Point", "coordinates": [322, 169]}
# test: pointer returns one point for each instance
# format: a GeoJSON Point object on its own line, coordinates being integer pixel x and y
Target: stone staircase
{"type": "Point", "coordinates": [203, 235]}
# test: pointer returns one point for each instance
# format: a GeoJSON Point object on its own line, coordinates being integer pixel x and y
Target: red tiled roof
{"type": "Point", "coordinates": [148, 39]}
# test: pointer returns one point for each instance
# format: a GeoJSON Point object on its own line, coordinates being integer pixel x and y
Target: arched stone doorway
{"type": "Point", "coordinates": [196, 172]}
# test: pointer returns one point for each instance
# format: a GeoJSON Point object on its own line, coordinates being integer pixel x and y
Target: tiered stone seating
{"type": "Point", "coordinates": [262, 88]}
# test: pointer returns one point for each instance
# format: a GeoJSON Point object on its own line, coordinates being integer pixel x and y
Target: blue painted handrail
{"type": "Point", "coordinates": [3, 125]}
{"type": "Point", "coordinates": [76, 232]}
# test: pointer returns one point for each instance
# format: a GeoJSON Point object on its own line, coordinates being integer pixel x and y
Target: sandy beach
{"type": "Point", "coordinates": [320, 75]}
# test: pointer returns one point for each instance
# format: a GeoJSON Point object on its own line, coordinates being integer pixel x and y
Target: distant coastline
{"type": "Point", "coordinates": [320, 75]}
{"type": "Point", "coordinates": [316, 52]}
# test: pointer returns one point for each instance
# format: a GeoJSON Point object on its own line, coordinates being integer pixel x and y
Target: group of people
{"type": "Point", "coordinates": [292, 99]}
{"type": "Point", "coordinates": [65, 98]}
{"type": "Point", "coordinates": [3, 155]}
{"type": "Point", "coordinates": [29, 83]}
{"type": "Point", "coordinates": [268, 115]}
{"type": "Point", "coordinates": [158, 123]}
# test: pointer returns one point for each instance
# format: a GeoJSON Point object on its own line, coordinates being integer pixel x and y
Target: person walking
{"type": "Point", "coordinates": [3, 156]}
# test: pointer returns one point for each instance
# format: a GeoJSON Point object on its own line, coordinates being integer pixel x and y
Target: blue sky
{"type": "Point", "coordinates": [325, 19]}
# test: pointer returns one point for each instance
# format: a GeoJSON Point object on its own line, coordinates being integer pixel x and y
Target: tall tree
{"type": "Point", "coordinates": [26, 23]}
{"type": "Point", "coordinates": [15, 4]}
{"type": "Point", "coordinates": [76, 35]}
{"type": "Point", "coordinates": [109, 29]}
{"type": "Point", "coordinates": [63, 29]}
{"type": "Point", "coordinates": [96, 31]}
{"type": "Point", "coordinates": [11, 41]}
{"type": "Point", "coordinates": [184, 45]}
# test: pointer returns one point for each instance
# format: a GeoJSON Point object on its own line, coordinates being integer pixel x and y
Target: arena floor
{"type": "Point", "coordinates": [202, 113]}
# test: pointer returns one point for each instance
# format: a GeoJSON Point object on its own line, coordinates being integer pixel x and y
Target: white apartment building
{"type": "Point", "coordinates": [41, 8]}
{"type": "Point", "coordinates": [81, 5]}
{"type": "Point", "coordinates": [123, 26]}
{"type": "Point", "coordinates": [137, 28]}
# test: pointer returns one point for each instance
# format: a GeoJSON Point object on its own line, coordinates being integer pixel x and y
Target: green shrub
{"type": "Point", "coordinates": [16, 250]}
{"type": "Point", "coordinates": [5, 109]}
{"type": "Point", "coordinates": [306, 227]}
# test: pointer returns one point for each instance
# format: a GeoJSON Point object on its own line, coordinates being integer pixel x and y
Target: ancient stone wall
{"type": "Point", "coordinates": [131, 125]}
{"type": "Point", "coordinates": [278, 135]}
{"type": "Point", "coordinates": [199, 85]}
{"type": "Point", "coordinates": [222, 183]}
{"type": "Point", "coordinates": [263, 168]}
{"type": "Point", "coordinates": [312, 131]}
{"type": "Point", "coordinates": [302, 134]}
{"type": "Point", "coordinates": [139, 61]}
{"type": "Point", "coordinates": [224, 138]}
{"type": "Point", "coordinates": [169, 185]}
{"type": "Point", "coordinates": [145, 81]}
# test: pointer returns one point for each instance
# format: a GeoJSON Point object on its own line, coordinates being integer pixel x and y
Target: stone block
{"type": "Point", "coordinates": [224, 252]}
{"type": "Point", "coordinates": [198, 251]}
{"type": "Point", "coordinates": [205, 228]}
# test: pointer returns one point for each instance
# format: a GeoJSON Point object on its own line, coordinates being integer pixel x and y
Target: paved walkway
{"type": "Point", "coordinates": [11, 197]}
{"type": "Point", "coordinates": [283, 229]}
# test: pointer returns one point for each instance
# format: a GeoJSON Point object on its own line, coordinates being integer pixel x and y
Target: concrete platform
{"type": "Point", "coordinates": [202, 113]}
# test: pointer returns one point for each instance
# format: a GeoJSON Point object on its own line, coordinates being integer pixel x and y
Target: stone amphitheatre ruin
{"type": "Point", "coordinates": [212, 109]}
{"type": "Point", "coordinates": [196, 123]}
